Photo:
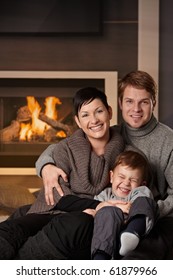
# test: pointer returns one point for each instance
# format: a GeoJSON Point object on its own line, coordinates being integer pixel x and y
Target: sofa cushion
{"type": "Point", "coordinates": [12, 198]}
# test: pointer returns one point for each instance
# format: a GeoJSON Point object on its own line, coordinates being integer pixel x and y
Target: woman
{"type": "Point", "coordinates": [86, 157]}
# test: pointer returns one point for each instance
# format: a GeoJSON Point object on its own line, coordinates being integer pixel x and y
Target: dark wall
{"type": "Point", "coordinates": [114, 49]}
{"type": "Point", "coordinates": [166, 64]}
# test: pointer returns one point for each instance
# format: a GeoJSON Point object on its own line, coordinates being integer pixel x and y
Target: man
{"type": "Point", "coordinates": [137, 99]}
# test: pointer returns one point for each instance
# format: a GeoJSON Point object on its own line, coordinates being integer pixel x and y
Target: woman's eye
{"type": "Point", "coordinates": [84, 115]}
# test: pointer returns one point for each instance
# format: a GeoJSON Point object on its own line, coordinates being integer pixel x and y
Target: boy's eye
{"type": "Point", "coordinates": [134, 180]}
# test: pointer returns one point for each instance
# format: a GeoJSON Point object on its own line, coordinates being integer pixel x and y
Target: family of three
{"type": "Point", "coordinates": [69, 223]}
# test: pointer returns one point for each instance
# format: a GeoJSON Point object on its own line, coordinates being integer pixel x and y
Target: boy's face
{"type": "Point", "coordinates": [124, 179]}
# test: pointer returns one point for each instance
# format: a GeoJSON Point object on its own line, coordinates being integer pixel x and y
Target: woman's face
{"type": "Point", "coordinates": [94, 119]}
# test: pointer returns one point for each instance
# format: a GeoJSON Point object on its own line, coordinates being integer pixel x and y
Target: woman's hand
{"type": "Point", "coordinates": [50, 175]}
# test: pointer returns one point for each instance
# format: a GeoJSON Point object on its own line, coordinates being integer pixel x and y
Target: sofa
{"type": "Point", "coordinates": [16, 191]}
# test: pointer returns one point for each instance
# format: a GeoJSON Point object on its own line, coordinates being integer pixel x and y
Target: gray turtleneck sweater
{"type": "Point", "coordinates": [155, 140]}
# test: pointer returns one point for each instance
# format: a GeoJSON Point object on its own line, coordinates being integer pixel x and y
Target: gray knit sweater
{"type": "Point", "coordinates": [88, 173]}
{"type": "Point", "coordinates": [156, 141]}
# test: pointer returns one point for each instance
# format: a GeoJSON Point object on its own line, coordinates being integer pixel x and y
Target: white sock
{"type": "Point", "coordinates": [129, 242]}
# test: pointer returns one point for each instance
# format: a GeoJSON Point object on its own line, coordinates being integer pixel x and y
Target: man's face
{"type": "Point", "coordinates": [137, 106]}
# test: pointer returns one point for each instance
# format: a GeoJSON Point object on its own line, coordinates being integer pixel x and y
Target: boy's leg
{"type": "Point", "coordinates": [107, 225]}
{"type": "Point", "coordinates": [138, 225]}
{"type": "Point", "coordinates": [157, 245]}
{"type": "Point", "coordinates": [130, 237]}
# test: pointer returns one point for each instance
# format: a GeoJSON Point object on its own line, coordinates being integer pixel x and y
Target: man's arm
{"type": "Point", "coordinates": [45, 158]}
{"type": "Point", "coordinates": [166, 205]}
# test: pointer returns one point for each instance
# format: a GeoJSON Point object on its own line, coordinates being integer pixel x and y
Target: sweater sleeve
{"type": "Point", "coordinates": [70, 203]}
{"type": "Point", "coordinates": [45, 158]}
{"type": "Point", "coordinates": [166, 205]}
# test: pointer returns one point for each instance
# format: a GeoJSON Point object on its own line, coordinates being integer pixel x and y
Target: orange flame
{"type": "Point", "coordinates": [38, 127]}
{"type": "Point", "coordinates": [50, 103]}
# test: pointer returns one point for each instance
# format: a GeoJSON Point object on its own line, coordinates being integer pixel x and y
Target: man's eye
{"type": "Point", "coordinates": [129, 101]}
{"type": "Point", "coordinates": [145, 102]}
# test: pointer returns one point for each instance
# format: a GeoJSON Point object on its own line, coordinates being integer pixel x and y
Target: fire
{"type": "Point", "coordinates": [37, 127]}
{"type": "Point", "coordinates": [50, 103]}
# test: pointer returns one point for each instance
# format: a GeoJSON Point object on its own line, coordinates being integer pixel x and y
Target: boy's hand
{"type": "Point", "coordinates": [89, 211]}
{"type": "Point", "coordinates": [124, 207]}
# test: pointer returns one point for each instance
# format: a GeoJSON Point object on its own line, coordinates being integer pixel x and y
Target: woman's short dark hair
{"type": "Point", "coordinates": [87, 95]}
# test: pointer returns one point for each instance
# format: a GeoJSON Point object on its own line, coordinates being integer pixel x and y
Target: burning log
{"type": "Point", "coordinates": [23, 114]}
{"type": "Point", "coordinates": [58, 125]}
{"type": "Point", "coordinates": [50, 135]}
{"type": "Point", "coordinates": [10, 132]}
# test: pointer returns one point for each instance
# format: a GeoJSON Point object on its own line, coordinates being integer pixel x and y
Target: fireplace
{"type": "Point", "coordinates": [36, 110]}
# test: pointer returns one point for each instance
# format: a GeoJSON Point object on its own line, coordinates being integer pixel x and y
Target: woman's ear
{"type": "Point", "coordinates": [77, 121]}
{"type": "Point", "coordinates": [110, 112]}
{"type": "Point", "coordinates": [111, 176]}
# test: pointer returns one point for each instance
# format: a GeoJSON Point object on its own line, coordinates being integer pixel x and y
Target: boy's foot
{"type": "Point", "coordinates": [129, 241]}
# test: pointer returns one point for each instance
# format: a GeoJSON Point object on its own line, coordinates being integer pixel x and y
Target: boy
{"type": "Point", "coordinates": [126, 208]}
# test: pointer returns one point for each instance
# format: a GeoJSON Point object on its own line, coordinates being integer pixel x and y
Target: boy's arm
{"type": "Point", "coordinates": [70, 203]}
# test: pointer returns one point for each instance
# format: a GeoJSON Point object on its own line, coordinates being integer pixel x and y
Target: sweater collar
{"type": "Point", "coordinates": [139, 132]}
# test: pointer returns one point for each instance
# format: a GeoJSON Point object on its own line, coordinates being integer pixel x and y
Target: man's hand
{"type": "Point", "coordinates": [50, 175]}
